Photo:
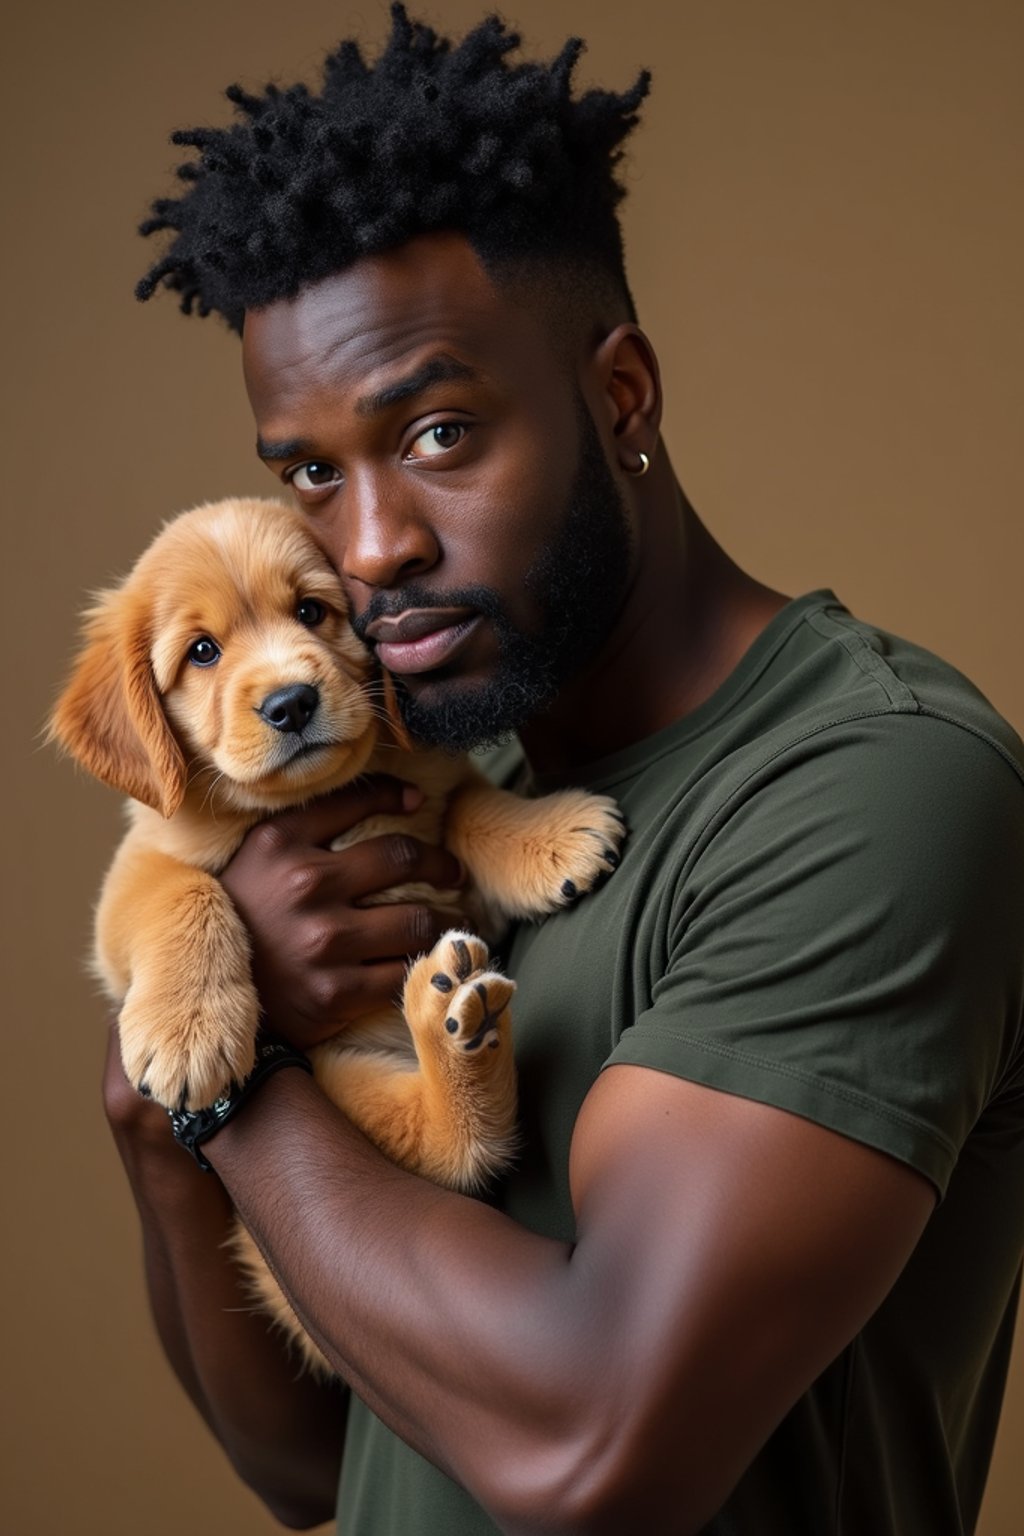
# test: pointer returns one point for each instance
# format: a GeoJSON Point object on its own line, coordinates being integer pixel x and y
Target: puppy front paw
{"type": "Point", "coordinates": [590, 850]}
{"type": "Point", "coordinates": [186, 1053]}
{"type": "Point", "coordinates": [573, 851]}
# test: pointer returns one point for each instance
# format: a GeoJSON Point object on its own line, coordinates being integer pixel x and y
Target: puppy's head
{"type": "Point", "coordinates": [224, 667]}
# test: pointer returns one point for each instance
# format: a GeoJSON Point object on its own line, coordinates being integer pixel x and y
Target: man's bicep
{"type": "Point", "coordinates": [741, 1248]}
{"type": "Point", "coordinates": [847, 944]}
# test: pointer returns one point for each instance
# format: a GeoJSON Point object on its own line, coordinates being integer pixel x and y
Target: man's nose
{"type": "Point", "coordinates": [388, 539]}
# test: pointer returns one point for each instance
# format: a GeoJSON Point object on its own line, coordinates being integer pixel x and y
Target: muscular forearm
{"type": "Point", "coordinates": [468, 1335]}
{"type": "Point", "coordinates": [283, 1432]}
{"type": "Point", "coordinates": [624, 1382]}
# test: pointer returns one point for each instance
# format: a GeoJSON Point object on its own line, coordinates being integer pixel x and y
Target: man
{"type": "Point", "coordinates": [757, 1268]}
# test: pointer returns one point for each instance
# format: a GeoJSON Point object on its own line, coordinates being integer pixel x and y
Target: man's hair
{"type": "Point", "coordinates": [430, 137]}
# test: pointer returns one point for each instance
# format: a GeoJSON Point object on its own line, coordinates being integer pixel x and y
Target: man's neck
{"type": "Point", "coordinates": [688, 618]}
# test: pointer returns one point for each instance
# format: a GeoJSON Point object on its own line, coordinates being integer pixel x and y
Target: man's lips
{"type": "Point", "coordinates": [414, 623]}
{"type": "Point", "coordinates": [421, 638]}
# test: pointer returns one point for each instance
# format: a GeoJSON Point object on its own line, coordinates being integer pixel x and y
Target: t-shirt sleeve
{"type": "Point", "coordinates": [847, 940]}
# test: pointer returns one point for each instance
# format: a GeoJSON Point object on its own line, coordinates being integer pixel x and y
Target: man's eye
{"type": "Point", "coordinates": [313, 476]}
{"type": "Point", "coordinates": [435, 440]}
{"type": "Point", "coordinates": [203, 652]}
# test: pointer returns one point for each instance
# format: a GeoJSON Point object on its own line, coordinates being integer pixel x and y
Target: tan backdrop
{"type": "Point", "coordinates": [826, 230]}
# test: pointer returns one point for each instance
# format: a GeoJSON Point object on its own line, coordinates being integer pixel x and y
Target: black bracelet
{"type": "Point", "coordinates": [191, 1127]}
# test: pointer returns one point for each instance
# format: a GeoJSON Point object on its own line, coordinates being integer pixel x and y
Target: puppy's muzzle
{"type": "Point", "coordinates": [290, 709]}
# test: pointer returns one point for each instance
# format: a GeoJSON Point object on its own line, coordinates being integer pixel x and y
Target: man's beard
{"type": "Point", "coordinates": [577, 584]}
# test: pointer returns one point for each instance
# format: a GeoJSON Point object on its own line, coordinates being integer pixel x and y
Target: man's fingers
{"type": "Point", "coordinates": [317, 823]}
{"type": "Point", "coordinates": [323, 952]}
{"type": "Point", "coordinates": [400, 932]}
{"type": "Point", "coordinates": [339, 997]}
{"type": "Point", "coordinates": [395, 859]}
{"type": "Point", "coordinates": [371, 934]}
{"type": "Point", "coordinates": [317, 881]}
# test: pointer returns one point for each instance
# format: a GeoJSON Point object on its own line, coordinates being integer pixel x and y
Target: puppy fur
{"type": "Point", "coordinates": [432, 1082]}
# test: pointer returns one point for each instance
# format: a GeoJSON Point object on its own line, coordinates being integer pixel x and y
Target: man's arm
{"type": "Point", "coordinates": [726, 1252]}
{"type": "Point", "coordinates": [283, 1431]}
{"type": "Point", "coordinates": [726, 1249]}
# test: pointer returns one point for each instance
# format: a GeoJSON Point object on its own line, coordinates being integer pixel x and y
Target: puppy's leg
{"type": "Point", "coordinates": [188, 1020]}
{"type": "Point", "coordinates": [449, 1112]}
{"type": "Point", "coordinates": [458, 1012]}
{"type": "Point", "coordinates": [530, 857]}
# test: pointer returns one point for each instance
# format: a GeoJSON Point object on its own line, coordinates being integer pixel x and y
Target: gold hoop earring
{"type": "Point", "coordinates": [642, 467]}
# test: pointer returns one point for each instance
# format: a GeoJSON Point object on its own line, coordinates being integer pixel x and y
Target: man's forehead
{"type": "Point", "coordinates": [379, 318]}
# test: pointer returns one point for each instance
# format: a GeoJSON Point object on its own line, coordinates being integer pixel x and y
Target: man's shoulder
{"type": "Point", "coordinates": [818, 681]}
{"type": "Point", "coordinates": [899, 677]}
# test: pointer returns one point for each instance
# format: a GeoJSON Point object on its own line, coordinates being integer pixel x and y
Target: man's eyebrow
{"type": "Point", "coordinates": [287, 449]}
{"type": "Point", "coordinates": [436, 371]}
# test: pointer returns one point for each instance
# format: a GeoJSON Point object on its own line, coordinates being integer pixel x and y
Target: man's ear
{"type": "Point", "coordinates": [396, 725]}
{"type": "Point", "coordinates": [109, 717]}
{"type": "Point", "coordinates": [627, 375]}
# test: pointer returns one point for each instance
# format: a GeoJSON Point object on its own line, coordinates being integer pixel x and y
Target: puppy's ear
{"type": "Point", "coordinates": [109, 717]}
{"type": "Point", "coordinates": [396, 725]}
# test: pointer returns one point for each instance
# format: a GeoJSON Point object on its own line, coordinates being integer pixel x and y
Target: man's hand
{"type": "Point", "coordinates": [321, 957]}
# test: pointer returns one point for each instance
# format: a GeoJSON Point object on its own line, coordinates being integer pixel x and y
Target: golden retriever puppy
{"type": "Point", "coordinates": [221, 681]}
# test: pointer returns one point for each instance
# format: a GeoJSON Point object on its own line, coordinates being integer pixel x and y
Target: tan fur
{"type": "Point", "coordinates": [433, 1084]}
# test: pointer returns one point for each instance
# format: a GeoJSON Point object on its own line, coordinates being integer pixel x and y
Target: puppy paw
{"type": "Point", "coordinates": [186, 1057]}
{"type": "Point", "coordinates": [589, 850]}
{"type": "Point", "coordinates": [457, 1009]}
{"type": "Point", "coordinates": [452, 997]}
{"type": "Point", "coordinates": [573, 852]}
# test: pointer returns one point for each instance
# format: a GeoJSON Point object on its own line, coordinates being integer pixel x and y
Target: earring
{"type": "Point", "coordinates": [642, 467]}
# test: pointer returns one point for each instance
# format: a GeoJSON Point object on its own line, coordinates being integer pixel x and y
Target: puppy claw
{"type": "Point", "coordinates": [463, 963]}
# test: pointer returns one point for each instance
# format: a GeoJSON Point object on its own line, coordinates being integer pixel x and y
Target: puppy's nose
{"type": "Point", "coordinates": [291, 708]}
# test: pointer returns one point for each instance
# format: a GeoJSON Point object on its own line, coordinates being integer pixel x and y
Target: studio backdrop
{"type": "Point", "coordinates": [826, 236]}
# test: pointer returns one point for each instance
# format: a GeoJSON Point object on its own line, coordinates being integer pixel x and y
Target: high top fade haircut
{"type": "Point", "coordinates": [430, 137]}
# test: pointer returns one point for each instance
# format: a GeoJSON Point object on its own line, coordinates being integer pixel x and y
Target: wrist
{"type": "Point", "coordinates": [192, 1129]}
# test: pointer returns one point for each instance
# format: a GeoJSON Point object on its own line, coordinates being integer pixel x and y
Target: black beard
{"type": "Point", "coordinates": [577, 582]}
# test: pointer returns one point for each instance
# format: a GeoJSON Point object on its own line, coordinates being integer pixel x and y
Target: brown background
{"type": "Point", "coordinates": [827, 239]}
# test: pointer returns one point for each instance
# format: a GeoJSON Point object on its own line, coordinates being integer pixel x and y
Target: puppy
{"type": "Point", "coordinates": [221, 681]}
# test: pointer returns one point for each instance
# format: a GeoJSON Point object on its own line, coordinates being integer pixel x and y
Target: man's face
{"type": "Point", "coordinates": [452, 472]}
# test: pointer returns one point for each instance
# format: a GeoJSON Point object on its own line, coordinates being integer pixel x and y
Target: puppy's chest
{"type": "Point", "coordinates": [208, 842]}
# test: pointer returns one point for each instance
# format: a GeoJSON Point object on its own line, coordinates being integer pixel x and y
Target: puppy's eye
{"type": "Point", "coordinates": [204, 652]}
{"type": "Point", "coordinates": [310, 612]}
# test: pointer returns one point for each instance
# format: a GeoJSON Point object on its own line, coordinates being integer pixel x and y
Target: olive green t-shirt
{"type": "Point", "coordinates": [820, 906]}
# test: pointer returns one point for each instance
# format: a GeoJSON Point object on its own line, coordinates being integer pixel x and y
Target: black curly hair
{"type": "Point", "coordinates": [430, 137]}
